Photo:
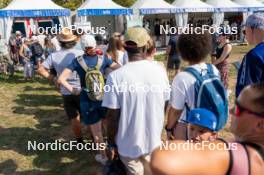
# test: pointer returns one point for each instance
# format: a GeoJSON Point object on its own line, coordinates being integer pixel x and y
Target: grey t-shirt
{"type": "Point", "coordinates": [59, 61]}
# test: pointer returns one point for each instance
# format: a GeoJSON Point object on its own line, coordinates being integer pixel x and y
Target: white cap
{"type": "Point", "coordinates": [88, 41]}
{"type": "Point", "coordinates": [18, 33]}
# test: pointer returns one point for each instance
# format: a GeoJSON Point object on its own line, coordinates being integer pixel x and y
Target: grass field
{"type": "Point", "coordinates": [33, 111]}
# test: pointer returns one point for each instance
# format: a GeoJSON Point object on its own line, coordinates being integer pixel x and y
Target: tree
{"type": "Point", "coordinates": [4, 3]}
{"type": "Point", "coordinates": [125, 3]}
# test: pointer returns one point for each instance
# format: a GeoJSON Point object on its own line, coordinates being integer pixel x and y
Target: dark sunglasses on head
{"type": "Point", "coordinates": [240, 109]}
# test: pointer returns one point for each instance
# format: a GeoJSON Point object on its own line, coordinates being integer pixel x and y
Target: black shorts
{"type": "Point", "coordinates": [71, 105]}
{"type": "Point", "coordinates": [174, 62]}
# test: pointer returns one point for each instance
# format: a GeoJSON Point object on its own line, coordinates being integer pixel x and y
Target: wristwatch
{"type": "Point", "coordinates": [168, 129]}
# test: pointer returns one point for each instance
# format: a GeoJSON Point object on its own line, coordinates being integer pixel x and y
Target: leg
{"type": "Point", "coordinates": [97, 134]}
{"type": "Point", "coordinates": [96, 130]}
{"type": "Point", "coordinates": [71, 107]}
{"type": "Point", "coordinates": [76, 128]}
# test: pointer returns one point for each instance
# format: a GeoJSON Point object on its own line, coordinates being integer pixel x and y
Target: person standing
{"type": "Point", "coordinates": [223, 52]}
{"type": "Point", "coordinates": [5, 57]}
{"type": "Point", "coordinates": [174, 61]}
{"type": "Point", "coordinates": [37, 51]}
{"type": "Point", "coordinates": [59, 61]}
{"type": "Point", "coordinates": [25, 54]}
{"type": "Point", "coordinates": [136, 105]}
{"type": "Point", "coordinates": [18, 44]}
{"type": "Point", "coordinates": [252, 68]}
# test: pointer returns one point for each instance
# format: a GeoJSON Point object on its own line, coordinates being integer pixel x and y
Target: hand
{"type": "Point", "coordinates": [170, 136]}
{"type": "Point", "coordinates": [111, 153]}
{"type": "Point", "coordinates": [76, 91]}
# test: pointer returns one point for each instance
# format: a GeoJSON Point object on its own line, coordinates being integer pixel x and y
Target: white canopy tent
{"type": "Point", "coordinates": [224, 6]}
{"type": "Point", "coordinates": [153, 7]}
{"type": "Point", "coordinates": [150, 7]}
{"type": "Point", "coordinates": [100, 11]}
{"type": "Point", "coordinates": [158, 9]}
{"type": "Point", "coordinates": [252, 5]}
{"type": "Point", "coordinates": [186, 6]}
{"type": "Point", "coordinates": [31, 8]}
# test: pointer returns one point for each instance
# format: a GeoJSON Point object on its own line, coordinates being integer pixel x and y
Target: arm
{"type": "Point", "coordinates": [45, 73]}
{"type": "Point", "coordinates": [225, 53]}
{"type": "Point", "coordinates": [112, 117]}
{"type": "Point", "coordinates": [173, 117]}
{"type": "Point", "coordinates": [168, 50]}
{"type": "Point", "coordinates": [21, 52]}
{"type": "Point", "coordinates": [62, 80]}
{"type": "Point", "coordinates": [190, 161]}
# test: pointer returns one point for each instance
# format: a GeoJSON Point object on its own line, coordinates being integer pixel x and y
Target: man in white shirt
{"type": "Point", "coordinates": [193, 48]}
{"type": "Point", "coordinates": [135, 103]}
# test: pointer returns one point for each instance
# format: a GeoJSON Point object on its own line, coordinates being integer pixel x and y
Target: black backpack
{"type": "Point", "coordinates": [37, 50]}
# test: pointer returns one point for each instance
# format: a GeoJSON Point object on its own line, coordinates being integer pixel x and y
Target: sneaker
{"type": "Point", "coordinates": [99, 158]}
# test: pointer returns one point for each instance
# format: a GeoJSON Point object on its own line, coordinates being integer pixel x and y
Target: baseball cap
{"type": "Point", "coordinates": [203, 118]}
{"type": "Point", "coordinates": [138, 35]}
{"type": "Point", "coordinates": [256, 21]}
{"type": "Point", "coordinates": [88, 41]}
{"type": "Point", "coordinates": [18, 33]}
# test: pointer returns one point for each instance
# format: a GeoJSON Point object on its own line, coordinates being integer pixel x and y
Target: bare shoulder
{"type": "Point", "coordinates": [190, 158]}
{"type": "Point", "coordinates": [257, 163]}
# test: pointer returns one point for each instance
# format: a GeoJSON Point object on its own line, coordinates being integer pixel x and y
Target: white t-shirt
{"type": "Point", "coordinates": [41, 40]}
{"type": "Point", "coordinates": [142, 111]}
{"type": "Point", "coordinates": [182, 90]}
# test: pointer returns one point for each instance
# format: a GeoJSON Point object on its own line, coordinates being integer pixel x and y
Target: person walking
{"type": "Point", "coordinates": [135, 109]}
{"type": "Point", "coordinates": [92, 111]}
{"type": "Point", "coordinates": [59, 61]}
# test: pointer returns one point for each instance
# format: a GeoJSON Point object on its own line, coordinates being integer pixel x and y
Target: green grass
{"type": "Point", "coordinates": [33, 111]}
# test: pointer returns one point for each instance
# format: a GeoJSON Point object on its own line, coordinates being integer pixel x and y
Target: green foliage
{"type": "Point", "coordinates": [4, 3]}
{"type": "Point", "coordinates": [74, 4]}
{"type": "Point", "coordinates": [125, 3]}
{"type": "Point", "coordinates": [70, 4]}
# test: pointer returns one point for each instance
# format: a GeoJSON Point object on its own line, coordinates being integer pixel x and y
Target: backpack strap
{"type": "Point", "coordinates": [210, 69]}
{"type": "Point", "coordinates": [82, 63]}
{"type": "Point", "coordinates": [99, 62]}
{"type": "Point", "coordinates": [194, 73]}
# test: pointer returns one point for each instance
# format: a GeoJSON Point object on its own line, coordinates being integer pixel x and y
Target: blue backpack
{"type": "Point", "coordinates": [210, 94]}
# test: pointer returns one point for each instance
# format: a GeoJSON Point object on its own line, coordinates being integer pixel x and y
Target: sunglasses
{"type": "Point", "coordinates": [240, 109]}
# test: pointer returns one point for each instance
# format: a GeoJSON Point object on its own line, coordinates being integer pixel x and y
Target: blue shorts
{"type": "Point", "coordinates": [91, 111]}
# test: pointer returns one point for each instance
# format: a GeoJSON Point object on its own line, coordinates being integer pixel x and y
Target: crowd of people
{"type": "Point", "coordinates": [27, 52]}
{"type": "Point", "coordinates": [134, 108]}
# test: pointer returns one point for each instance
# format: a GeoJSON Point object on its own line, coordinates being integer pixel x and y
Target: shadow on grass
{"type": "Point", "coordinates": [35, 100]}
{"type": "Point", "coordinates": [51, 124]}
